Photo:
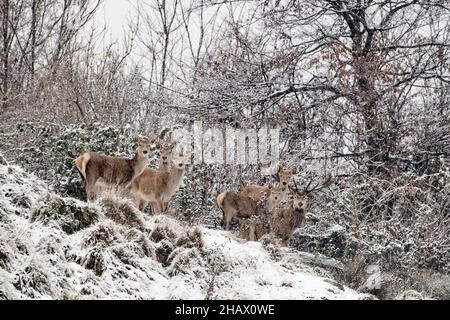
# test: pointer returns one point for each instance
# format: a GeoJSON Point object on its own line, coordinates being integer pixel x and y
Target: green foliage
{"type": "Point", "coordinates": [69, 214]}
{"type": "Point", "coordinates": [51, 153]}
{"type": "Point", "coordinates": [402, 223]}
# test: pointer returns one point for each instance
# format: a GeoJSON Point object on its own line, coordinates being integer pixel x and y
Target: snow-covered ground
{"type": "Point", "coordinates": [62, 248]}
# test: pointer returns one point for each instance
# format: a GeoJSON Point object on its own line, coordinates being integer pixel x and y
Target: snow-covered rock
{"type": "Point", "coordinates": [62, 248]}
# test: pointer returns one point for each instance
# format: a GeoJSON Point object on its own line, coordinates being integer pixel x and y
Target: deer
{"type": "Point", "coordinates": [158, 187]}
{"type": "Point", "coordinates": [285, 221]}
{"type": "Point", "coordinates": [165, 159]}
{"type": "Point", "coordinates": [256, 226]}
{"type": "Point", "coordinates": [255, 191]}
{"type": "Point", "coordinates": [233, 204]}
{"type": "Point", "coordinates": [118, 172]}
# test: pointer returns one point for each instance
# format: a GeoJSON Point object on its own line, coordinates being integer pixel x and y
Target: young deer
{"type": "Point", "coordinates": [165, 159]}
{"type": "Point", "coordinates": [158, 187]}
{"type": "Point", "coordinates": [284, 221]}
{"type": "Point", "coordinates": [117, 172]}
{"type": "Point", "coordinates": [235, 205]}
{"type": "Point", "coordinates": [255, 191]}
{"type": "Point", "coordinates": [256, 226]}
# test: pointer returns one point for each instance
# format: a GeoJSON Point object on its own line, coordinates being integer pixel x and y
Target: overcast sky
{"type": "Point", "coordinates": [113, 14]}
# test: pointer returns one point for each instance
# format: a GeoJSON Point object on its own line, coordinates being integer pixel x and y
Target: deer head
{"type": "Point", "coordinates": [285, 176]}
{"type": "Point", "coordinates": [274, 199]}
{"type": "Point", "coordinates": [180, 161]}
{"type": "Point", "coordinates": [301, 197]}
{"type": "Point", "coordinates": [143, 148]}
{"type": "Point", "coordinates": [166, 152]}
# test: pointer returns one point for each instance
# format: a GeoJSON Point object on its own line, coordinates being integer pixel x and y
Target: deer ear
{"type": "Point", "coordinates": [142, 139]}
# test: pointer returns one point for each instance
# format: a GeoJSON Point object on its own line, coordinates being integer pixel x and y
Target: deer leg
{"type": "Point", "coordinates": [142, 205]}
{"type": "Point", "coordinates": [252, 231]}
{"type": "Point", "coordinates": [136, 200]}
{"type": "Point", "coordinates": [227, 218]}
{"type": "Point", "coordinates": [156, 207]}
{"type": "Point", "coordinates": [161, 206]}
{"type": "Point", "coordinates": [153, 207]}
{"type": "Point", "coordinates": [90, 192]}
{"type": "Point", "coordinates": [91, 189]}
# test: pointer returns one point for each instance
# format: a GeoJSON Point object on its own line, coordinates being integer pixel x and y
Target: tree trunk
{"type": "Point", "coordinates": [5, 54]}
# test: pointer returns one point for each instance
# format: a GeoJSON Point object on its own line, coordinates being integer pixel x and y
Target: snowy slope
{"type": "Point", "coordinates": [61, 248]}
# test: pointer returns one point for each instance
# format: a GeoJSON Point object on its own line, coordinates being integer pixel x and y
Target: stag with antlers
{"type": "Point", "coordinates": [286, 220]}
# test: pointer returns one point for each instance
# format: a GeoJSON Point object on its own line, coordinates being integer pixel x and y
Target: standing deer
{"type": "Point", "coordinates": [118, 172]}
{"type": "Point", "coordinates": [165, 159]}
{"type": "Point", "coordinates": [235, 205]}
{"type": "Point", "coordinates": [284, 221]}
{"type": "Point", "coordinates": [255, 191]}
{"type": "Point", "coordinates": [158, 187]}
{"type": "Point", "coordinates": [256, 226]}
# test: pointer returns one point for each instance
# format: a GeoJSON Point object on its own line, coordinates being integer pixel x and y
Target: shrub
{"type": "Point", "coordinates": [102, 234]}
{"type": "Point", "coordinates": [122, 211]}
{"type": "Point", "coordinates": [33, 281]}
{"type": "Point", "coordinates": [69, 214]}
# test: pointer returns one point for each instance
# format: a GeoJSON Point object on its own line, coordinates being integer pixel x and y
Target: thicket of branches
{"type": "Point", "coordinates": [359, 88]}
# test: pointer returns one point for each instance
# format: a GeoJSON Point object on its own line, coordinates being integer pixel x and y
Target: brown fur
{"type": "Point", "coordinates": [165, 159]}
{"type": "Point", "coordinates": [81, 162]}
{"type": "Point", "coordinates": [255, 192]}
{"type": "Point", "coordinates": [254, 228]}
{"type": "Point", "coordinates": [286, 220]}
{"type": "Point", "coordinates": [158, 187]}
{"type": "Point", "coordinates": [285, 176]}
{"type": "Point", "coordinates": [235, 205]}
{"type": "Point", "coordinates": [117, 172]}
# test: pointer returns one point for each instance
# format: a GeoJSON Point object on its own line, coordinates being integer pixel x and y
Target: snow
{"type": "Point", "coordinates": [38, 260]}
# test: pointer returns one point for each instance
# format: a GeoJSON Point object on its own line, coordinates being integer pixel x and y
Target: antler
{"type": "Point", "coordinates": [319, 186]}
{"type": "Point", "coordinates": [295, 185]}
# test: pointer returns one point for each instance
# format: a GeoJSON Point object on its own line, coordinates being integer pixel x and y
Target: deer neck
{"type": "Point", "coordinates": [163, 166]}
{"type": "Point", "coordinates": [297, 216]}
{"type": "Point", "coordinates": [275, 207]}
{"type": "Point", "coordinates": [138, 163]}
{"type": "Point", "coordinates": [175, 176]}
